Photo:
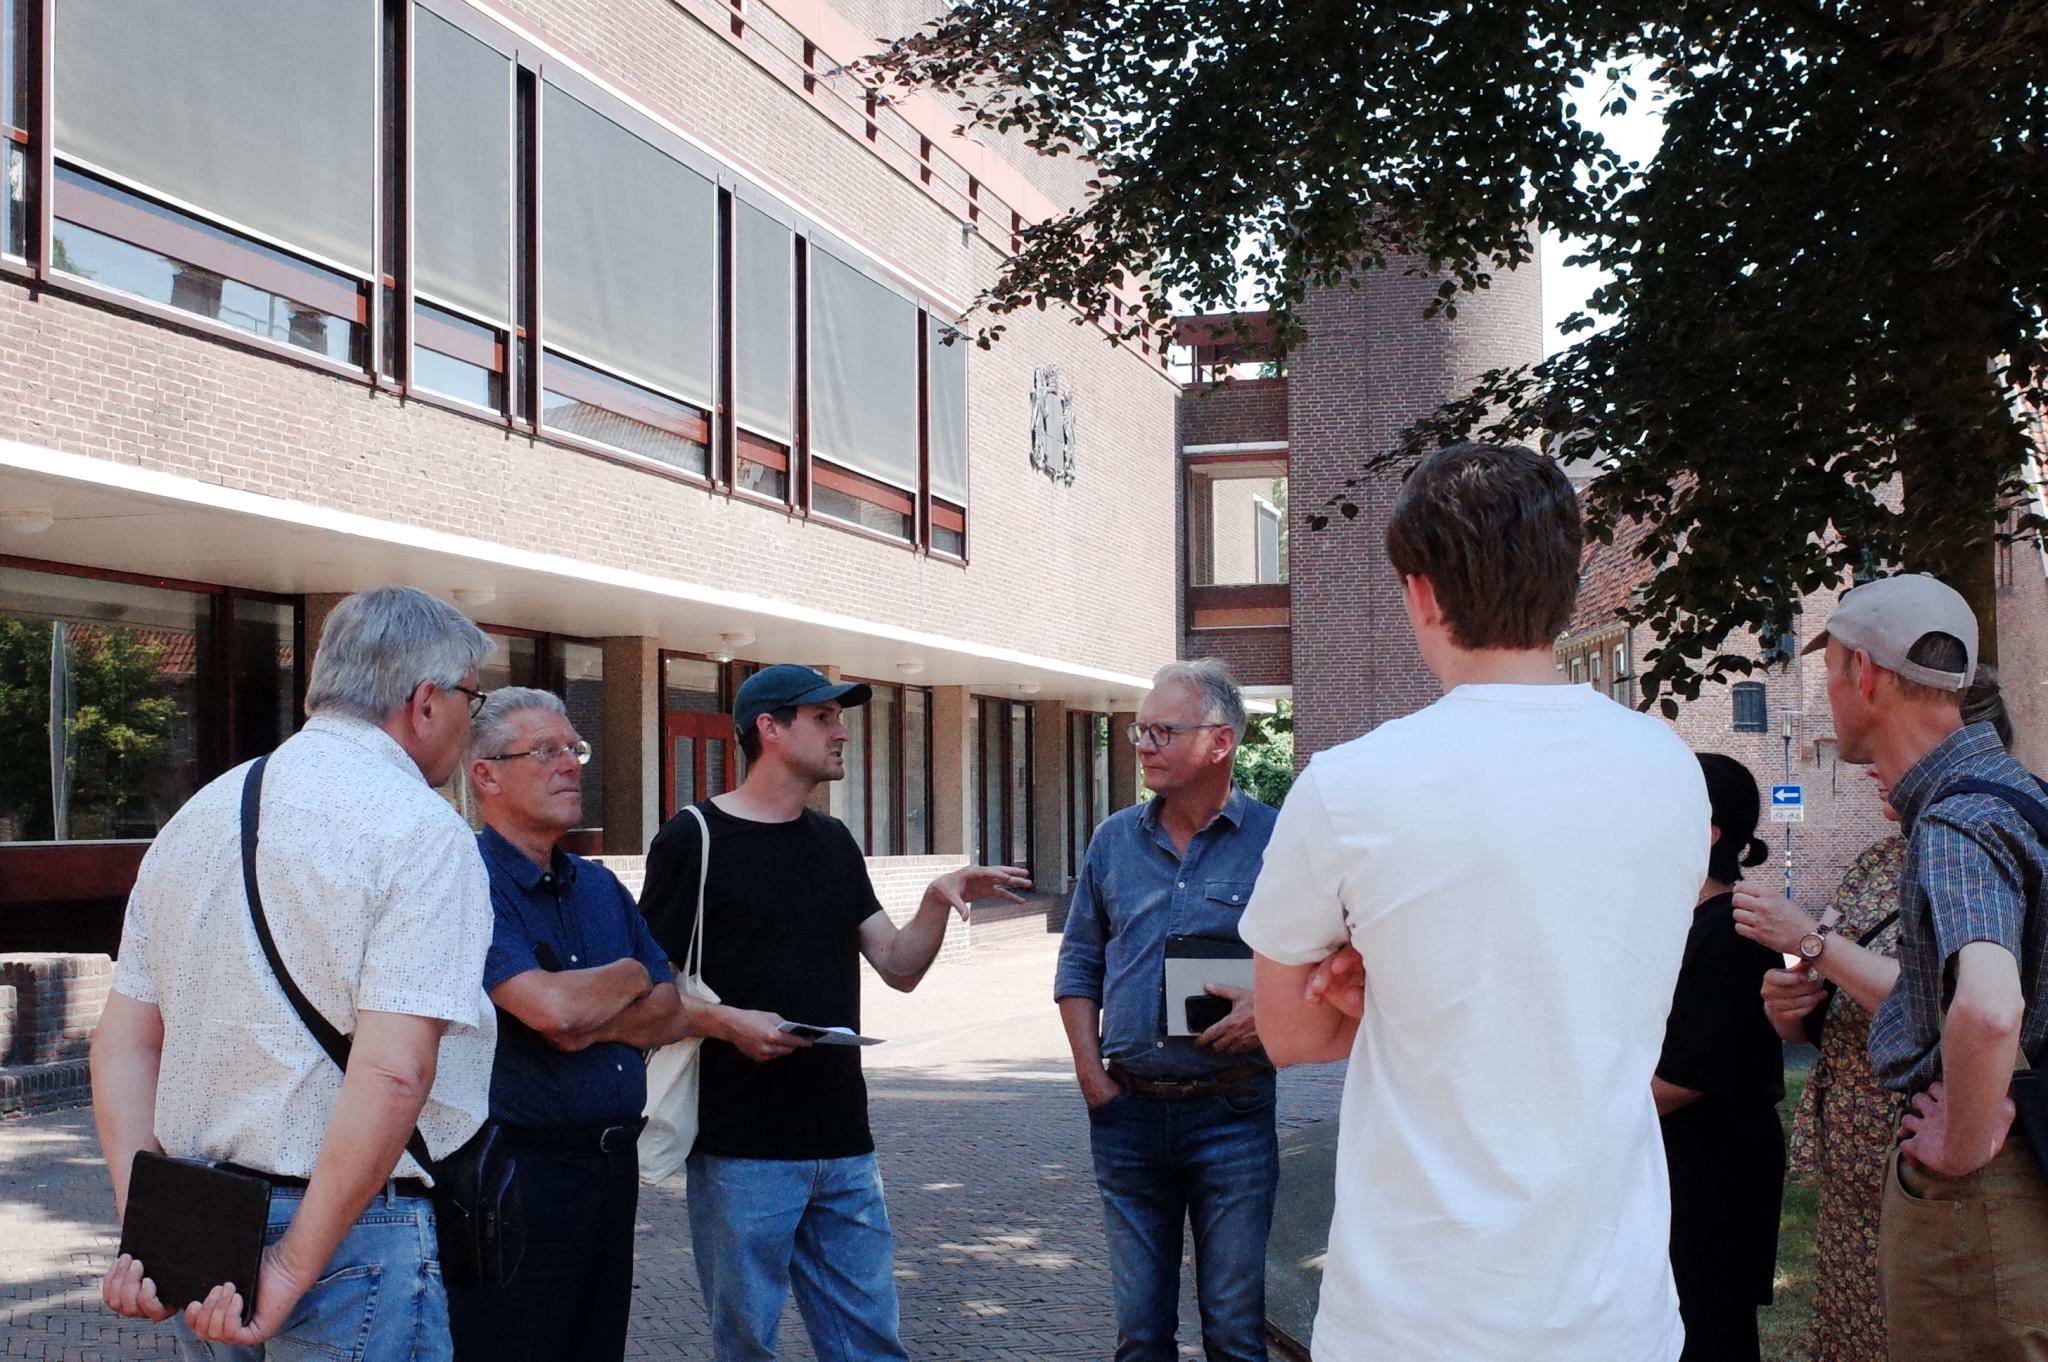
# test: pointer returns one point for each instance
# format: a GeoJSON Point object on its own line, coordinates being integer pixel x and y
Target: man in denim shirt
{"type": "Point", "coordinates": [1181, 1126]}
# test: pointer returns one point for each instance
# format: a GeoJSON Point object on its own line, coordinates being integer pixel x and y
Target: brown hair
{"type": "Point", "coordinates": [1496, 530]}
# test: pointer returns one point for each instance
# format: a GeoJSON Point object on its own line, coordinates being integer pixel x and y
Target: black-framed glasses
{"type": "Point", "coordinates": [1162, 735]}
{"type": "Point", "coordinates": [476, 698]}
{"type": "Point", "coordinates": [550, 753]}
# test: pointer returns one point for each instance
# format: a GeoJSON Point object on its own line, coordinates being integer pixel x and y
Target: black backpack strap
{"type": "Point", "coordinates": [331, 1040]}
{"type": "Point", "coordinates": [2026, 805]}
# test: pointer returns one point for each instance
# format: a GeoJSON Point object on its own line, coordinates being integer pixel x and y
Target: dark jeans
{"type": "Point", "coordinates": [574, 1287]}
{"type": "Point", "coordinates": [1162, 1164]}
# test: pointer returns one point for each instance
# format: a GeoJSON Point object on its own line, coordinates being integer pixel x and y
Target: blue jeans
{"type": "Point", "coordinates": [380, 1299]}
{"type": "Point", "coordinates": [761, 1226]}
{"type": "Point", "coordinates": [1161, 1164]}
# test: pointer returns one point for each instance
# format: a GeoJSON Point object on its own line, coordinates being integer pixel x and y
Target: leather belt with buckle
{"type": "Point", "coordinates": [1237, 1082]}
{"type": "Point", "coordinates": [577, 1139]}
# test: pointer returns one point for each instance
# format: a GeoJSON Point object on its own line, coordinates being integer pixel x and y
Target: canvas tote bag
{"type": "Point", "coordinates": [672, 1069]}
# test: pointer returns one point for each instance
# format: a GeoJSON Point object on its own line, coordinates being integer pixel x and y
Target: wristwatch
{"type": "Point", "coordinates": [1814, 942]}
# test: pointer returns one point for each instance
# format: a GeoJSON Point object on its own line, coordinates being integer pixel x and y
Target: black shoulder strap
{"type": "Point", "coordinates": [2026, 805]}
{"type": "Point", "coordinates": [331, 1040]}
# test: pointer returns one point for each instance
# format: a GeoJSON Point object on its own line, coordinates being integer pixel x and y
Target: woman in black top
{"type": "Point", "coordinates": [1717, 1087]}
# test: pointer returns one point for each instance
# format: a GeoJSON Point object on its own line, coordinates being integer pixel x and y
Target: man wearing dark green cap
{"type": "Point", "coordinates": [784, 1188]}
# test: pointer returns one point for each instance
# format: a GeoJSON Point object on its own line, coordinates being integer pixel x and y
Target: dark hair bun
{"type": "Point", "coordinates": [1756, 853]}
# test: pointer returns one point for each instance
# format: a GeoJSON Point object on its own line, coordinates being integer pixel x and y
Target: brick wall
{"type": "Point", "coordinates": [2023, 653]}
{"type": "Point", "coordinates": [55, 1005]}
{"type": "Point", "coordinates": [90, 380]}
{"type": "Point", "coordinates": [1372, 363]}
{"type": "Point", "coordinates": [1257, 657]}
{"type": "Point", "coordinates": [1235, 413]}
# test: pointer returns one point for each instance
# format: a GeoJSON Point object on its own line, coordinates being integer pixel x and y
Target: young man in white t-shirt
{"type": "Point", "coordinates": [1516, 866]}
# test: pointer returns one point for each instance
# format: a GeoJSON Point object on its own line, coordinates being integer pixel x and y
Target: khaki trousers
{"type": "Point", "coordinates": [1964, 1261]}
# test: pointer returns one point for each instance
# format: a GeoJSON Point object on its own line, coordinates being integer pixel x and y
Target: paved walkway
{"type": "Point", "coordinates": [984, 1147]}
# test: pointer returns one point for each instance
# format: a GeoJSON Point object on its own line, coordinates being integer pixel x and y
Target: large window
{"type": "Point", "coordinates": [13, 128]}
{"type": "Point", "coordinates": [119, 699]}
{"type": "Point", "coordinates": [221, 160]}
{"type": "Point", "coordinates": [464, 106]}
{"type": "Point", "coordinates": [1002, 740]}
{"type": "Point", "coordinates": [863, 399]}
{"type": "Point", "coordinates": [885, 798]}
{"type": "Point", "coordinates": [763, 350]}
{"type": "Point", "coordinates": [399, 191]}
{"type": "Point", "coordinates": [946, 408]}
{"type": "Point", "coordinates": [1237, 523]}
{"type": "Point", "coordinates": [627, 240]}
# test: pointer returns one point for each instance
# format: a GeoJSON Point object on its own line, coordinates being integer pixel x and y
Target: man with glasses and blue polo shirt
{"type": "Point", "coordinates": [581, 990]}
{"type": "Point", "coordinates": [1180, 1107]}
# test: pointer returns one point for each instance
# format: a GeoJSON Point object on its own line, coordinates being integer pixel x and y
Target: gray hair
{"type": "Point", "coordinates": [1222, 701]}
{"type": "Point", "coordinates": [493, 727]}
{"type": "Point", "coordinates": [380, 646]}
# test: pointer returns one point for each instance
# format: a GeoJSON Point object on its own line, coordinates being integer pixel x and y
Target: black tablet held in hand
{"type": "Point", "coordinates": [193, 1226]}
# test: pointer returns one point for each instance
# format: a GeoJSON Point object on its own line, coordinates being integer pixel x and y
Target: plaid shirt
{"type": "Point", "coordinates": [1973, 867]}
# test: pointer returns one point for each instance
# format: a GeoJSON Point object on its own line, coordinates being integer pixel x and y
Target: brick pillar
{"type": "Point", "coordinates": [1123, 762]}
{"type": "Point", "coordinates": [1049, 800]}
{"type": "Point", "coordinates": [318, 607]}
{"type": "Point", "coordinates": [1372, 364]}
{"type": "Point", "coordinates": [952, 791]}
{"type": "Point", "coordinates": [632, 744]}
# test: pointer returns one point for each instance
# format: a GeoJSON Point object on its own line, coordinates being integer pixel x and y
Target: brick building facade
{"type": "Point", "coordinates": [674, 403]}
{"type": "Point", "coordinates": [1330, 631]}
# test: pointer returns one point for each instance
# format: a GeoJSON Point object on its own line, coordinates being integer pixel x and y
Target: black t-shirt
{"type": "Point", "coordinates": [782, 912]}
{"type": "Point", "coordinates": [1718, 1042]}
{"type": "Point", "coordinates": [1725, 1151]}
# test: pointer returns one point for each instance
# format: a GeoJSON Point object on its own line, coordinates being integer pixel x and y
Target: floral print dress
{"type": "Point", "coordinates": [1844, 1129]}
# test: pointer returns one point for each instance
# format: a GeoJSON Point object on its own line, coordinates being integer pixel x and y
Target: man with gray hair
{"type": "Point", "coordinates": [380, 910]}
{"type": "Point", "coordinates": [581, 990]}
{"type": "Point", "coordinates": [1179, 1094]}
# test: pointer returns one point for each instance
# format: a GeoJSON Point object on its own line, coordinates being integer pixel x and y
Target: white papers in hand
{"type": "Point", "coordinates": [827, 1035]}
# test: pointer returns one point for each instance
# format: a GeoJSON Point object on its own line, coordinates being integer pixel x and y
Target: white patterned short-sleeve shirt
{"type": "Point", "coordinates": [377, 898]}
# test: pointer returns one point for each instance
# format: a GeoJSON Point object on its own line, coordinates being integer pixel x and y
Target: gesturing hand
{"type": "Point", "coordinates": [1238, 1031]}
{"type": "Point", "coordinates": [1339, 982]}
{"type": "Point", "coordinates": [962, 887]}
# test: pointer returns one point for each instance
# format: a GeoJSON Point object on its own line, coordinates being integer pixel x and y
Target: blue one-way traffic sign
{"type": "Point", "coordinates": [1788, 804]}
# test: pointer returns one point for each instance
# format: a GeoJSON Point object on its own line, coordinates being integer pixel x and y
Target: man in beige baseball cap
{"type": "Point", "coordinates": [1957, 1196]}
{"type": "Point", "coordinates": [1887, 619]}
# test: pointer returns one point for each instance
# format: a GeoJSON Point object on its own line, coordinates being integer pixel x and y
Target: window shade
{"type": "Point", "coordinates": [948, 412]}
{"type": "Point", "coordinates": [763, 323]}
{"type": "Point", "coordinates": [626, 246]}
{"type": "Point", "coordinates": [462, 168]}
{"type": "Point", "coordinates": [863, 371]}
{"type": "Point", "coordinates": [261, 112]}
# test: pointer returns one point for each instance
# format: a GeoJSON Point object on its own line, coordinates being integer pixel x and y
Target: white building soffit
{"type": "Point", "coordinates": [126, 519]}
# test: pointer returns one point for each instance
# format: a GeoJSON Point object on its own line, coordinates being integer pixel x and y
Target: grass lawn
{"type": "Point", "coordinates": [1783, 1323]}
